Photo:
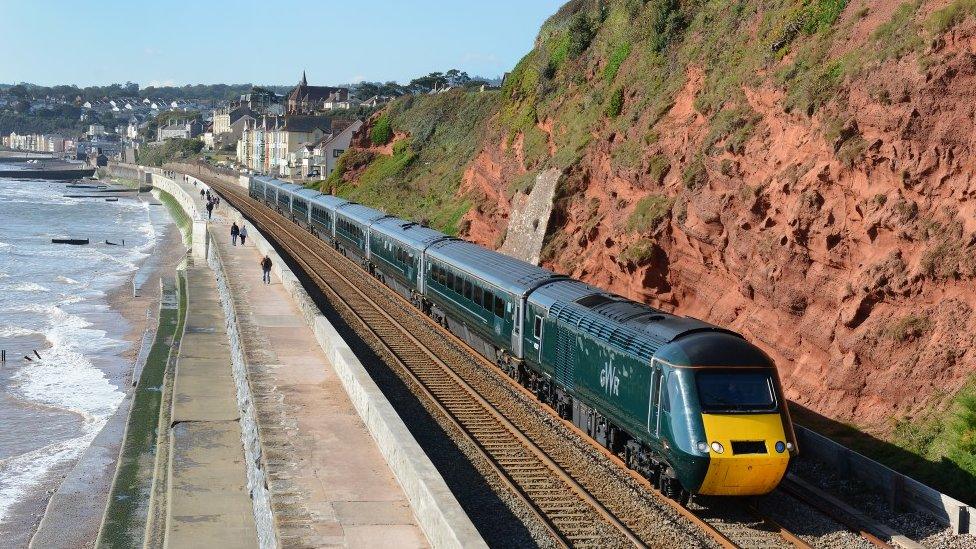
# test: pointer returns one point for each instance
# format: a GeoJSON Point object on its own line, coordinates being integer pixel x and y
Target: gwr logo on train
{"type": "Point", "coordinates": [609, 379]}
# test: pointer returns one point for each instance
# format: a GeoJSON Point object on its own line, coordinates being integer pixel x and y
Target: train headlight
{"type": "Point", "coordinates": [717, 447]}
{"type": "Point", "coordinates": [780, 447]}
{"type": "Point", "coordinates": [702, 446]}
{"type": "Point", "coordinates": [789, 446]}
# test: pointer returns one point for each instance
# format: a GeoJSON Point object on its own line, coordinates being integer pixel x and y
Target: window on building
{"type": "Point", "coordinates": [336, 153]}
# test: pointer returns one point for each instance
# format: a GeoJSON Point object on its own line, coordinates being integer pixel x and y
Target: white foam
{"type": "Point", "coordinates": [16, 331]}
{"type": "Point", "coordinates": [66, 280]}
{"type": "Point", "coordinates": [28, 287]}
{"type": "Point", "coordinates": [20, 474]}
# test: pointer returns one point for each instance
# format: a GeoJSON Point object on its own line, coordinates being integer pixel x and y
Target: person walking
{"type": "Point", "coordinates": [210, 210]}
{"type": "Point", "coordinates": [266, 270]}
{"type": "Point", "coordinates": [243, 234]}
{"type": "Point", "coordinates": [234, 232]}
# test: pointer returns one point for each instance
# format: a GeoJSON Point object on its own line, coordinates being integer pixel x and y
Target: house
{"type": "Point", "coordinates": [327, 151]}
{"type": "Point", "coordinates": [179, 129]}
{"type": "Point", "coordinates": [224, 118]}
{"type": "Point", "coordinates": [305, 99]}
{"type": "Point", "coordinates": [266, 145]}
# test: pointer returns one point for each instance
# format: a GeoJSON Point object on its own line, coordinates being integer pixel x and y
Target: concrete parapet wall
{"type": "Point", "coordinates": [900, 490]}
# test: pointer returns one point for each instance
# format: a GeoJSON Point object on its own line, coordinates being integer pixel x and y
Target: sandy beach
{"type": "Point", "coordinates": [74, 500]}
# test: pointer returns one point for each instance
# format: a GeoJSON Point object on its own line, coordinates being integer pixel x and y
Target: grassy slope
{"type": "Point", "coordinates": [421, 179]}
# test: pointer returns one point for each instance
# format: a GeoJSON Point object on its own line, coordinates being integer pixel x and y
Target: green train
{"type": "Point", "coordinates": [693, 407]}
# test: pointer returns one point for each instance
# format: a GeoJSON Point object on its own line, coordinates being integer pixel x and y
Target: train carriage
{"type": "Point", "coordinates": [255, 188]}
{"type": "Point", "coordinates": [284, 198]}
{"type": "Point", "coordinates": [300, 201]}
{"type": "Point", "coordinates": [352, 223]}
{"type": "Point", "coordinates": [270, 191]}
{"type": "Point", "coordinates": [479, 294]}
{"type": "Point", "coordinates": [694, 407]}
{"type": "Point", "coordinates": [322, 215]}
{"type": "Point", "coordinates": [396, 251]}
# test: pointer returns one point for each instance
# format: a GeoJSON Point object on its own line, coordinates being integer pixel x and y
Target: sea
{"type": "Point", "coordinates": [54, 300]}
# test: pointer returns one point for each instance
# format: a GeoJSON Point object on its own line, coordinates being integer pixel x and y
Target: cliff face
{"type": "Point", "coordinates": [800, 171]}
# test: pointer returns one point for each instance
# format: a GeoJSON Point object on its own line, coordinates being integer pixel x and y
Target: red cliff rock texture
{"type": "Point", "coordinates": [844, 244]}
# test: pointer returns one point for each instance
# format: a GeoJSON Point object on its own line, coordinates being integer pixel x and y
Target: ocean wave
{"type": "Point", "coordinates": [20, 474]}
{"type": "Point", "coordinates": [66, 280]}
{"type": "Point", "coordinates": [16, 331]}
{"type": "Point", "coordinates": [27, 287]}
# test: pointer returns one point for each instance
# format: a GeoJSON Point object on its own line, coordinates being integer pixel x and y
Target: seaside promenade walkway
{"type": "Point", "coordinates": [208, 500]}
{"type": "Point", "coordinates": [329, 482]}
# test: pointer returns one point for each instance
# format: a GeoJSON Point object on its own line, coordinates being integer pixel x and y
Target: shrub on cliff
{"type": "Point", "coordinates": [382, 132]}
{"type": "Point", "coordinates": [649, 212]}
{"type": "Point", "coordinates": [168, 151]}
{"type": "Point", "coordinates": [616, 103]}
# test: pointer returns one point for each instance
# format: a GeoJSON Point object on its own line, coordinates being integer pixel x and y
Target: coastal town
{"type": "Point", "coordinates": [298, 135]}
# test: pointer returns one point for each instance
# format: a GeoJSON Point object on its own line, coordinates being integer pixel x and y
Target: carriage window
{"type": "Point", "coordinates": [476, 297]}
{"type": "Point", "coordinates": [467, 288]}
{"type": "Point", "coordinates": [459, 284]}
{"type": "Point", "coordinates": [489, 300]}
{"type": "Point", "coordinates": [439, 274]}
{"type": "Point", "coordinates": [665, 401]}
{"type": "Point", "coordinates": [450, 280]}
{"type": "Point", "coordinates": [500, 308]}
{"type": "Point", "coordinates": [538, 327]}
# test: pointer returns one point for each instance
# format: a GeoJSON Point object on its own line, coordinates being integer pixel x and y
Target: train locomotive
{"type": "Point", "coordinates": [693, 407]}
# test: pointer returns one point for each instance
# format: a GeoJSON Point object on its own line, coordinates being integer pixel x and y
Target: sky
{"type": "Point", "coordinates": [180, 42]}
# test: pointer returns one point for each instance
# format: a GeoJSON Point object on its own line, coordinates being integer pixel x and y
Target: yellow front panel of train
{"type": "Point", "coordinates": [744, 473]}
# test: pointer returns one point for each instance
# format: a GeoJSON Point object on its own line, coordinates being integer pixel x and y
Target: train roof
{"type": "Point", "coordinates": [408, 232]}
{"type": "Point", "coordinates": [512, 275]}
{"type": "Point", "coordinates": [359, 213]}
{"type": "Point", "coordinates": [307, 193]}
{"type": "Point", "coordinates": [290, 188]}
{"type": "Point", "coordinates": [630, 325]}
{"type": "Point", "coordinates": [328, 201]}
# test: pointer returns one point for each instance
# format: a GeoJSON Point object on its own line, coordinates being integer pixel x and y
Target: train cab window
{"type": "Point", "coordinates": [476, 295]}
{"type": "Point", "coordinates": [467, 288]}
{"type": "Point", "coordinates": [500, 308]}
{"type": "Point", "coordinates": [724, 391]}
{"type": "Point", "coordinates": [537, 327]}
{"type": "Point", "coordinates": [488, 301]}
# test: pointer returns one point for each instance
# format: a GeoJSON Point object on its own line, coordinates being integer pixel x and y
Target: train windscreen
{"type": "Point", "coordinates": [736, 391]}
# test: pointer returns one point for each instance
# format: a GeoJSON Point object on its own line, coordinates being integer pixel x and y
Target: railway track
{"type": "Point", "coordinates": [548, 482]}
{"type": "Point", "coordinates": [565, 491]}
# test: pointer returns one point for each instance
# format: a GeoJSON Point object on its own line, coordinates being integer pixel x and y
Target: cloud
{"type": "Point", "coordinates": [161, 83]}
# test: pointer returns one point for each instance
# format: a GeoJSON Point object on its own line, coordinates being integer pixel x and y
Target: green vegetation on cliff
{"type": "Point", "coordinates": [422, 178]}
